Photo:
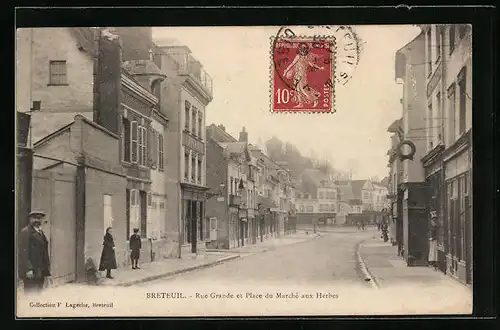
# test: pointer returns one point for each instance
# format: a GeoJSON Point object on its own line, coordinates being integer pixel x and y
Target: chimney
{"type": "Point", "coordinates": [222, 127]}
{"type": "Point", "coordinates": [243, 135]}
{"type": "Point", "coordinates": [137, 42]}
{"type": "Point", "coordinates": [107, 80]}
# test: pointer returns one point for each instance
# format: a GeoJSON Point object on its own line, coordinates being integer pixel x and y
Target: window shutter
{"type": "Point", "coordinates": [151, 147]}
{"type": "Point", "coordinates": [134, 134]}
{"type": "Point", "coordinates": [155, 148]}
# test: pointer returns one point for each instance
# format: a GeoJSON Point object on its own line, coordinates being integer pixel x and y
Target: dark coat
{"type": "Point", "coordinates": [433, 232]}
{"type": "Point", "coordinates": [135, 246]}
{"type": "Point", "coordinates": [108, 258]}
{"type": "Point", "coordinates": [33, 253]}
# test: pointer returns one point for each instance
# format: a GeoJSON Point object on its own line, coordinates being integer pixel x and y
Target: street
{"type": "Point", "coordinates": [319, 276]}
{"type": "Point", "coordinates": [325, 261]}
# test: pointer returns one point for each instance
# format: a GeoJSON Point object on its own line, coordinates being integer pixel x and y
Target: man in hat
{"type": "Point", "coordinates": [33, 261]}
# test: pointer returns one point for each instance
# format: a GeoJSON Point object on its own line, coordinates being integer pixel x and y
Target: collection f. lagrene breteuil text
{"type": "Point", "coordinates": [245, 295]}
{"type": "Point", "coordinates": [59, 304]}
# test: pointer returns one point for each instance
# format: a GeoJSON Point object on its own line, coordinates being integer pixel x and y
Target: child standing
{"type": "Point", "coordinates": [135, 248]}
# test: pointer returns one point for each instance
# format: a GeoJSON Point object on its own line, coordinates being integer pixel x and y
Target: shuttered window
{"type": "Point", "coordinates": [160, 152]}
{"type": "Point", "coordinates": [126, 139]}
{"type": "Point", "coordinates": [133, 138]}
{"type": "Point", "coordinates": [152, 142]}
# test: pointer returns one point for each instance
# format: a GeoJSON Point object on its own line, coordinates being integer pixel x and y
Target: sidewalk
{"type": "Point", "coordinates": [164, 268]}
{"type": "Point", "coordinates": [272, 243]}
{"type": "Point", "coordinates": [388, 271]}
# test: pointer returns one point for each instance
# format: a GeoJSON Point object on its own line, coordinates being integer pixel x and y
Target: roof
{"type": "Point", "coordinates": [355, 201]}
{"type": "Point", "coordinates": [233, 147]}
{"type": "Point", "coordinates": [385, 181]}
{"type": "Point", "coordinates": [345, 191]}
{"type": "Point", "coordinates": [316, 176]}
{"type": "Point", "coordinates": [357, 187]}
{"type": "Point", "coordinates": [219, 135]}
{"type": "Point", "coordinates": [45, 123]}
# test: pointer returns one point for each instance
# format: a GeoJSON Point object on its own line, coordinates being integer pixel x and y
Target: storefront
{"type": "Point", "coordinates": [433, 166]}
{"type": "Point", "coordinates": [193, 213]}
{"type": "Point", "coordinates": [458, 191]}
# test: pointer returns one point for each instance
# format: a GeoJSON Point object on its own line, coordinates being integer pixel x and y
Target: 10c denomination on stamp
{"type": "Point", "coordinates": [302, 72]}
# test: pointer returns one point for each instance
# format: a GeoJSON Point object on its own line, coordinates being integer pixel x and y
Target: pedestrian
{"type": "Point", "coordinates": [108, 258]}
{"type": "Point", "coordinates": [33, 261]}
{"type": "Point", "coordinates": [135, 248]}
{"type": "Point", "coordinates": [433, 241]}
{"type": "Point", "coordinates": [363, 224]}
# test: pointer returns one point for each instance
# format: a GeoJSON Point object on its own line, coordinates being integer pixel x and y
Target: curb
{"type": "Point", "coordinates": [364, 269]}
{"type": "Point", "coordinates": [176, 272]}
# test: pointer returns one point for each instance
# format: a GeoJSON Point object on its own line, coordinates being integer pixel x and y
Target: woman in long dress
{"type": "Point", "coordinates": [297, 72]}
{"type": "Point", "coordinates": [433, 243]}
{"type": "Point", "coordinates": [108, 258]}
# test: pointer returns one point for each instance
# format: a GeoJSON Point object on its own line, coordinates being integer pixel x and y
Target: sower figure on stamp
{"type": "Point", "coordinates": [135, 248]}
{"type": "Point", "coordinates": [297, 71]}
{"type": "Point", "coordinates": [108, 258]}
{"type": "Point", "coordinates": [34, 261]}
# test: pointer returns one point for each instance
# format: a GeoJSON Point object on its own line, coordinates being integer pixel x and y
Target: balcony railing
{"type": "Point", "coordinates": [188, 65]}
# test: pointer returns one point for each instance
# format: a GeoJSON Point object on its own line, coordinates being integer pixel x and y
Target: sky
{"type": "Point", "coordinates": [354, 138]}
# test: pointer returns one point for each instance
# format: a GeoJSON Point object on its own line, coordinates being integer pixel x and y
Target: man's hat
{"type": "Point", "coordinates": [36, 214]}
{"type": "Point", "coordinates": [136, 230]}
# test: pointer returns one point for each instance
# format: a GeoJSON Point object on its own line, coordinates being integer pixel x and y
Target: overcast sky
{"type": "Point", "coordinates": [354, 137]}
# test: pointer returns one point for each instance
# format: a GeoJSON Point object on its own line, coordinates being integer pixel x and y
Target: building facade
{"type": "Point", "coordinates": [410, 73]}
{"type": "Point", "coordinates": [184, 94]}
{"type": "Point", "coordinates": [448, 157]}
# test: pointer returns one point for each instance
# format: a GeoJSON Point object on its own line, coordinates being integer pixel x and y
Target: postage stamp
{"type": "Point", "coordinates": [301, 74]}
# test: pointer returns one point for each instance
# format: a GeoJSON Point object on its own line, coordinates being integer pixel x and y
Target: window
{"type": "Point", "coordinates": [193, 168]}
{"type": "Point", "coordinates": [462, 28]}
{"type": "Point", "coordinates": [108, 212]}
{"type": "Point", "coordinates": [57, 72]}
{"type": "Point", "coordinates": [194, 115]}
{"type": "Point", "coordinates": [187, 107]}
{"type": "Point", "coordinates": [301, 207]}
{"type": "Point", "coordinates": [438, 43]}
{"type": "Point", "coordinates": [142, 159]}
{"type": "Point", "coordinates": [200, 125]}
{"type": "Point", "coordinates": [160, 152]}
{"type": "Point", "coordinates": [462, 93]}
{"type": "Point", "coordinates": [150, 200]}
{"type": "Point", "coordinates": [451, 114]}
{"type": "Point", "coordinates": [321, 195]}
{"type": "Point", "coordinates": [429, 52]}
{"type": "Point", "coordinates": [452, 38]}
{"type": "Point", "coordinates": [126, 146]}
{"type": "Point", "coordinates": [199, 170]}
{"type": "Point", "coordinates": [310, 209]}
{"type": "Point", "coordinates": [133, 144]}
{"type": "Point", "coordinates": [186, 165]}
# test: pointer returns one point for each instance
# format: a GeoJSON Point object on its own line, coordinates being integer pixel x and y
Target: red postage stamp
{"type": "Point", "coordinates": [302, 77]}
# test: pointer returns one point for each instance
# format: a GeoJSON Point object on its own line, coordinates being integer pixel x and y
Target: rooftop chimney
{"type": "Point", "coordinates": [243, 135]}
{"type": "Point", "coordinates": [107, 80]}
{"type": "Point", "coordinates": [222, 127]}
